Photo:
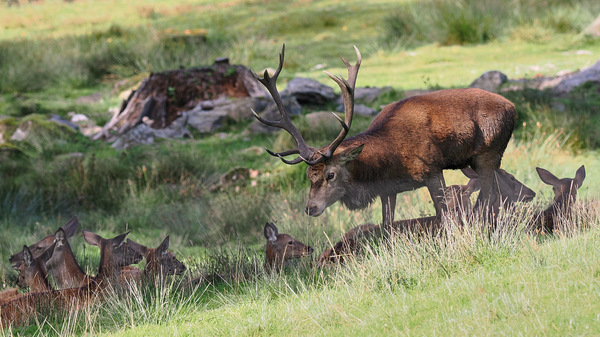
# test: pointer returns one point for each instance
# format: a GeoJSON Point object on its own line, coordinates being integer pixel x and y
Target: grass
{"type": "Point", "coordinates": [463, 285]}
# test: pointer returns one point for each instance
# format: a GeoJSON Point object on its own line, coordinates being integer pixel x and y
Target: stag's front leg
{"type": "Point", "coordinates": [436, 186]}
{"type": "Point", "coordinates": [388, 205]}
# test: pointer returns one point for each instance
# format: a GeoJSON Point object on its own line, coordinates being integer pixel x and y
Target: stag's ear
{"type": "Point", "coordinates": [137, 247]}
{"type": "Point", "coordinates": [164, 246]}
{"type": "Point", "coordinates": [270, 232]}
{"type": "Point", "coordinates": [92, 238]}
{"type": "Point", "coordinates": [27, 256]}
{"type": "Point", "coordinates": [579, 176]}
{"type": "Point", "coordinates": [350, 154]}
{"type": "Point", "coordinates": [70, 227]}
{"type": "Point", "coordinates": [547, 177]}
{"type": "Point", "coordinates": [469, 173]}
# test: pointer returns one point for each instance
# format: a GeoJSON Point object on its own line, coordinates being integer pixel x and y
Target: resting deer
{"type": "Point", "coordinates": [37, 249]}
{"type": "Point", "coordinates": [114, 254]}
{"type": "Point", "coordinates": [32, 275]}
{"type": "Point", "coordinates": [565, 194]}
{"type": "Point", "coordinates": [407, 146]}
{"type": "Point", "coordinates": [159, 262]}
{"type": "Point", "coordinates": [457, 197]}
{"type": "Point", "coordinates": [281, 248]}
{"type": "Point", "coordinates": [62, 265]}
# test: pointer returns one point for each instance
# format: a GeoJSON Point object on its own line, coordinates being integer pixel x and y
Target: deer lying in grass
{"type": "Point", "coordinates": [407, 146]}
{"type": "Point", "coordinates": [159, 262]}
{"type": "Point", "coordinates": [281, 248]}
{"type": "Point", "coordinates": [62, 265]}
{"type": "Point", "coordinates": [32, 275]}
{"type": "Point", "coordinates": [565, 194]}
{"type": "Point", "coordinates": [457, 197]}
{"type": "Point", "coordinates": [114, 254]}
{"type": "Point", "coordinates": [37, 249]}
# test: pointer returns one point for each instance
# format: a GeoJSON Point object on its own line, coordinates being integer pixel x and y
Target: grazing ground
{"type": "Point", "coordinates": [507, 283]}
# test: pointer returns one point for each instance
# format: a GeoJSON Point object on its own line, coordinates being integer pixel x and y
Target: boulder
{"type": "Point", "coordinates": [359, 109]}
{"type": "Point", "coordinates": [591, 74]}
{"type": "Point", "coordinates": [177, 129]}
{"type": "Point", "coordinates": [490, 81]}
{"type": "Point", "coordinates": [206, 121]}
{"type": "Point", "coordinates": [309, 91]}
{"type": "Point", "coordinates": [139, 134]}
{"type": "Point", "coordinates": [323, 120]}
{"type": "Point", "coordinates": [57, 119]}
{"type": "Point", "coordinates": [369, 94]}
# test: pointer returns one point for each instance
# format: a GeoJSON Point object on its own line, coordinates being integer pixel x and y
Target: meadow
{"type": "Point", "coordinates": [510, 283]}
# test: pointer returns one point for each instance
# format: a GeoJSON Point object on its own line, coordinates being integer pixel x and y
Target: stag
{"type": "Point", "coordinates": [407, 146]}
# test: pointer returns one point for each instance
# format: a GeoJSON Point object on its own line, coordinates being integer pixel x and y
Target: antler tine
{"type": "Point", "coordinates": [302, 149]}
{"type": "Point", "coordinates": [347, 88]}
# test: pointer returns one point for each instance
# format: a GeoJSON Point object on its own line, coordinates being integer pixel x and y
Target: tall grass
{"type": "Point", "coordinates": [450, 22]}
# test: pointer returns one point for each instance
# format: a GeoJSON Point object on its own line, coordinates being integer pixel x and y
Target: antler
{"type": "Point", "coordinates": [305, 152]}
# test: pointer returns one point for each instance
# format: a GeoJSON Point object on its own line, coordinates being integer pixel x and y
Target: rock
{"type": "Point", "coordinates": [177, 129]}
{"type": "Point", "coordinates": [591, 74]}
{"type": "Point", "coordinates": [490, 81]}
{"type": "Point", "coordinates": [369, 94]}
{"type": "Point", "coordinates": [90, 99]}
{"type": "Point", "coordinates": [308, 91]}
{"type": "Point", "coordinates": [206, 121]}
{"type": "Point", "coordinates": [56, 118]}
{"type": "Point", "coordinates": [323, 120]}
{"type": "Point", "coordinates": [79, 118]}
{"type": "Point", "coordinates": [359, 109]}
{"type": "Point", "coordinates": [240, 110]}
{"type": "Point", "coordinates": [272, 113]}
{"type": "Point", "coordinates": [22, 132]}
{"type": "Point", "coordinates": [139, 134]}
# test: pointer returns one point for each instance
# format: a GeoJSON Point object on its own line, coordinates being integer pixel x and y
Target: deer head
{"type": "Point", "coordinates": [282, 247]}
{"type": "Point", "coordinates": [32, 272]}
{"type": "Point", "coordinates": [159, 261]}
{"type": "Point", "coordinates": [63, 266]}
{"type": "Point", "coordinates": [114, 254]}
{"type": "Point", "coordinates": [512, 190]}
{"type": "Point", "coordinates": [327, 170]}
{"type": "Point", "coordinates": [37, 249]}
{"type": "Point", "coordinates": [565, 189]}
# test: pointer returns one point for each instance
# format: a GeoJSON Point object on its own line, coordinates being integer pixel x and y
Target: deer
{"type": "Point", "coordinates": [63, 266]}
{"type": "Point", "coordinates": [407, 146]}
{"type": "Point", "coordinates": [114, 254]}
{"type": "Point", "coordinates": [282, 248]}
{"type": "Point", "coordinates": [32, 275]}
{"type": "Point", "coordinates": [159, 262]}
{"type": "Point", "coordinates": [565, 194]}
{"type": "Point", "coordinates": [457, 199]}
{"type": "Point", "coordinates": [38, 248]}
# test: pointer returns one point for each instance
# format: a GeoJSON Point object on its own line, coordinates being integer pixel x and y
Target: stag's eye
{"type": "Point", "coordinates": [290, 243]}
{"type": "Point", "coordinates": [330, 176]}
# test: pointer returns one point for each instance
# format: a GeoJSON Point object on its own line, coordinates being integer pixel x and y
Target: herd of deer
{"type": "Point", "coordinates": [407, 146]}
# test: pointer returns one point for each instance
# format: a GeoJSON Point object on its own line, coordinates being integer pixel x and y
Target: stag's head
{"type": "Point", "coordinates": [327, 169]}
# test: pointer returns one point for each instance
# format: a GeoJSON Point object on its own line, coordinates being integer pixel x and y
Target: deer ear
{"type": "Point", "coordinates": [70, 227]}
{"type": "Point", "coordinates": [92, 238]}
{"type": "Point", "coordinates": [119, 239]}
{"type": "Point", "coordinates": [270, 232]}
{"type": "Point", "coordinates": [27, 256]}
{"type": "Point", "coordinates": [579, 176]}
{"type": "Point", "coordinates": [350, 154]}
{"type": "Point", "coordinates": [137, 247]}
{"type": "Point", "coordinates": [473, 186]}
{"type": "Point", "coordinates": [164, 246]}
{"type": "Point", "coordinates": [469, 173]}
{"type": "Point", "coordinates": [547, 177]}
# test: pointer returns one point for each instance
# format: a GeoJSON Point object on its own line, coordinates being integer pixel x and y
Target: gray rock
{"type": "Point", "coordinates": [359, 109]}
{"type": "Point", "coordinates": [177, 129]}
{"type": "Point", "coordinates": [490, 81]}
{"type": "Point", "coordinates": [139, 134]}
{"type": "Point", "coordinates": [369, 94]}
{"type": "Point", "coordinates": [323, 120]}
{"type": "Point", "coordinates": [591, 74]}
{"type": "Point", "coordinates": [79, 118]}
{"type": "Point", "coordinates": [308, 91]}
{"type": "Point", "coordinates": [22, 132]}
{"type": "Point", "coordinates": [206, 121]}
{"type": "Point", "coordinates": [57, 119]}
